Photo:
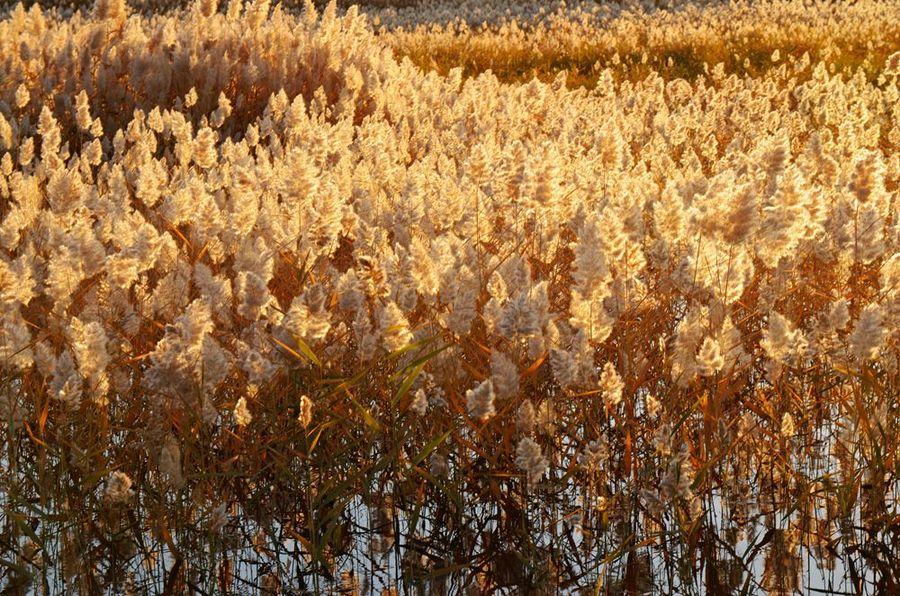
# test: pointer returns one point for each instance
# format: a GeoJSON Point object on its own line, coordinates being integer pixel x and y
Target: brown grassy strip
{"type": "Point", "coordinates": [512, 63]}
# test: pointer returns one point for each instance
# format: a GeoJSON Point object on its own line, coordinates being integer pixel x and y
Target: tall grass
{"type": "Point", "coordinates": [282, 313]}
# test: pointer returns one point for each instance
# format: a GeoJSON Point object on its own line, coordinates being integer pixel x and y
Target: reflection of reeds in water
{"type": "Point", "coordinates": [767, 535]}
{"type": "Point", "coordinates": [773, 515]}
{"type": "Point", "coordinates": [781, 575]}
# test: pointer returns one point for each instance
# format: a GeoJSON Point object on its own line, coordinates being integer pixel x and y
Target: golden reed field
{"type": "Point", "coordinates": [450, 297]}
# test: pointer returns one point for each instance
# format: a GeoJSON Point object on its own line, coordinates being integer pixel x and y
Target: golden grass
{"type": "Point", "coordinates": [583, 63]}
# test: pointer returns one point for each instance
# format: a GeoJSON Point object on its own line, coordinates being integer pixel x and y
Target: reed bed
{"type": "Point", "coordinates": [285, 312]}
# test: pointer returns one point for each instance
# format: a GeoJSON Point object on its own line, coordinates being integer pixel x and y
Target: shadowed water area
{"type": "Point", "coordinates": [339, 510]}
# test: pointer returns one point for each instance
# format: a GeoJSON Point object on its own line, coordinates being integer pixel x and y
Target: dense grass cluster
{"type": "Point", "coordinates": [282, 312]}
{"type": "Point", "coordinates": [519, 40]}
